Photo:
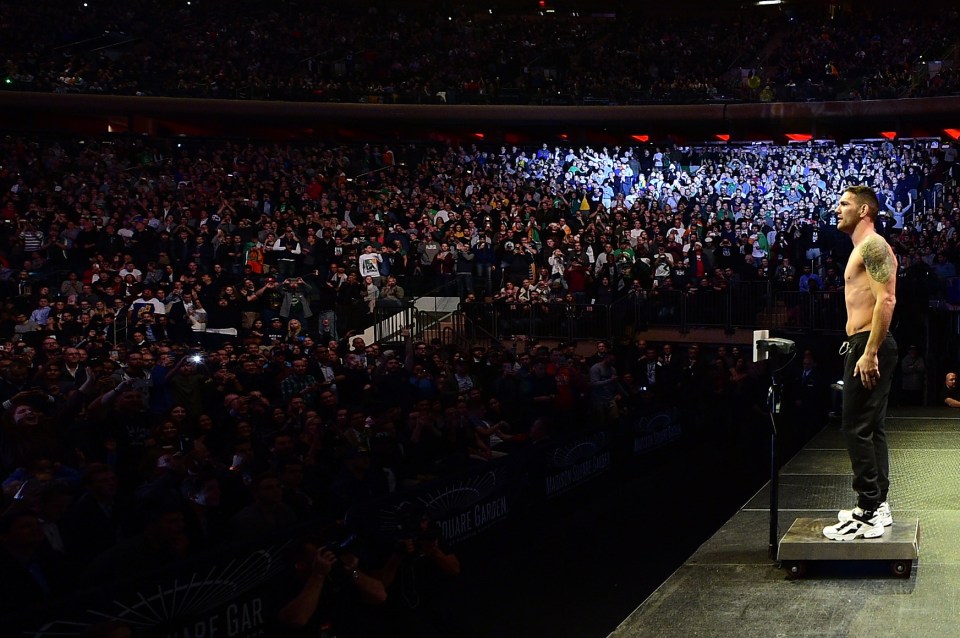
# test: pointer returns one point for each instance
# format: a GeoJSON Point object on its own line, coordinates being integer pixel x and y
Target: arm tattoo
{"type": "Point", "coordinates": [877, 259]}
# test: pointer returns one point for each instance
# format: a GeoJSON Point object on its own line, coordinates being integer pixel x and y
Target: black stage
{"type": "Point", "coordinates": [730, 587]}
{"type": "Point", "coordinates": [575, 567]}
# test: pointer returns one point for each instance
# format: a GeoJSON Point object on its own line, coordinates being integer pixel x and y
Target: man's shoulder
{"type": "Point", "coordinates": [872, 238]}
{"type": "Point", "coordinates": [876, 255]}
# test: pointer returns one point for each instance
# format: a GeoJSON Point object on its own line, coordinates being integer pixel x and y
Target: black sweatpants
{"type": "Point", "coordinates": [864, 413]}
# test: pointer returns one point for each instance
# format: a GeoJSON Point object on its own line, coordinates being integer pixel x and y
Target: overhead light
{"type": "Point", "coordinates": [767, 3]}
{"type": "Point", "coordinates": [890, 135]}
{"type": "Point", "coordinates": [799, 137]}
{"type": "Point", "coordinates": [952, 132]}
{"type": "Point", "coordinates": [641, 138]}
{"type": "Point", "coordinates": [723, 137]}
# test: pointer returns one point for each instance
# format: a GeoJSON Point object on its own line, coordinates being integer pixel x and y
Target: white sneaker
{"type": "Point", "coordinates": [861, 525]}
{"type": "Point", "coordinates": [884, 516]}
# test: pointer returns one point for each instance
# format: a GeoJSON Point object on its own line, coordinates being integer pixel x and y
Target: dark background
{"type": "Point", "coordinates": [578, 566]}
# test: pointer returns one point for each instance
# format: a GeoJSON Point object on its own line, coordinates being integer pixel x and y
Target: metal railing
{"type": "Point", "coordinates": [558, 321]}
{"type": "Point", "coordinates": [388, 321]}
{"type": "Point", "coordinates": [743, 305]}
{"type": "Point", "coordinates": [426, 321]}
{"type": "Point", "coordinates": [740, 306]}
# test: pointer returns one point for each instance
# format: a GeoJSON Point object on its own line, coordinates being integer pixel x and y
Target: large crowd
{"type": "Point", "coordinates": [181, 354]}
{"type": "Point", "coordinates": [180, 321]}
{"type": "Point", "coordinates": [408, 54]}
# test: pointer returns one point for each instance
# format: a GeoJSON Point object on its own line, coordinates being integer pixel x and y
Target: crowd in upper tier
{"type": "Point", "coordinates": [358, 52]}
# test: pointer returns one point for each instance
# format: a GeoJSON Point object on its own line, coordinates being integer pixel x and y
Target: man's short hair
{"type": "Point", "coordinates": [865, 195]}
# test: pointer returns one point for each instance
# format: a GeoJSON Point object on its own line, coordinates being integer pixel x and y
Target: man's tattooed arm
{"type": "Point", "coordinates": [877, 259]}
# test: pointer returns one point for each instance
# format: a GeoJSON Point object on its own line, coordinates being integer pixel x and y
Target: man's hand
{"type": "Point", "coordinates": [868, 369]}
{"type": "Point", "coordinates": [323, 562]}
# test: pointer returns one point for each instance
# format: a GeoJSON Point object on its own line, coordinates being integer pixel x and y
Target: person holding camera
{"type": "Point", "coordinates": [420, 577]}
{"type": "Point", "coordinates": [556, 265]}
{"type": "Point", "coordinates": [330, 594]}
{"type": "Point", "coordinates": [295, 304]}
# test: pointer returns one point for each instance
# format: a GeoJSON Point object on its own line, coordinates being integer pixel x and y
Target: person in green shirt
{"type": "Point", "coordinates": [625, 258]}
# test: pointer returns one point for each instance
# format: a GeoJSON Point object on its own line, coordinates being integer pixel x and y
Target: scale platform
{"type": "Point", "coordinates": [805, 542]}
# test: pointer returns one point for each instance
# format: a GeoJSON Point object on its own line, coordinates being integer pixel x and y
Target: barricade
{"type": "Point", "coordinates": [746, 305]}
{"type": "Point", "coordinates": [232, 591]}
{"type": "Point", "coordinates": [228, 592]}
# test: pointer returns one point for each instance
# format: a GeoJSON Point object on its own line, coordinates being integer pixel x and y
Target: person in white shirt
{"type": "Point", "coordinates": [287, 250]}
{"type": "Point", "coordinates": [130, 269]}
{"type": "Point", "coordinates": [369, 263]}
{"type": "Point", "coordinates": [146, 304]}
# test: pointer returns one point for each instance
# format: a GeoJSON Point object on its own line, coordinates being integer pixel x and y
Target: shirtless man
{"type": "Point", "coordinates": [871, 357]}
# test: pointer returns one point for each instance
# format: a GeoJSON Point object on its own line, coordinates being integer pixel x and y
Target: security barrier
{"type": "Point", "coordinates": [234, 590]}
{"type": "Point", "coordinates": [740, 305]}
